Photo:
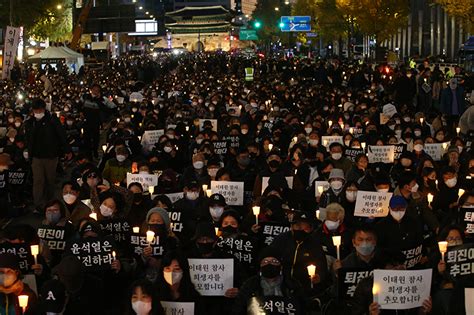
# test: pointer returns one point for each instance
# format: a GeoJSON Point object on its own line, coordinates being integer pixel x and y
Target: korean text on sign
{"type": "Point", "coordinates": [233, 192]}
{"type": "Point", "coordinates": [372, 204]}
{"type": "Point", "coordinates": [212, 277]}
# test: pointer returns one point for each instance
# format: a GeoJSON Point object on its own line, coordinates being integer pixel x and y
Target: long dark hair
{"type": "Point", "coordinates": [147, 288]}
{"type": "Point", "coordinates": [186, 287]}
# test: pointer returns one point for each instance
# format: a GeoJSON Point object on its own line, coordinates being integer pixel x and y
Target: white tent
{"type": "Point", "coordinates": [53, 55]}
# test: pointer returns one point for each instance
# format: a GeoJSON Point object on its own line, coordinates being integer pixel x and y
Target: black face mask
{"type": "Point", "coordinates": [270, 271]}
{"type": "Point", "coordinates": [137, 197]}
{"type": "Point", "coordinates": [313, 163]}
{"type": "Point", "coordinates": [159, 229]}
{"type": "Point", "coordinates": [229, 230]}
{"type": "Point", "coordinates": [253, 156]}
{"type": "Point", "coordinates": [431, 183]}
{"type": "Point", "coordinates": [471, 170]}
{"type": "Point", "coordinates": [274, 164]}
{"type": "Point", "coordinates": [300, 235]}
{"type": "Point", "coordinates": [205, 248]}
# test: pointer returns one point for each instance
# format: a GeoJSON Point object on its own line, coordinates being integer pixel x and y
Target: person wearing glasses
{"type": "Point", "coordinates": [269, 283]}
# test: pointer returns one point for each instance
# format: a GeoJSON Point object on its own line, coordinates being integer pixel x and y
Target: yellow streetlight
{"type": "Point", "coordinates": [59, 7]}
{"type": "Point", "coordinates": [277, 9]}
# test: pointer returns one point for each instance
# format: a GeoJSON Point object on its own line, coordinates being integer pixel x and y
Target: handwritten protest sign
{"type": "Point", "coordinates": [273, 305]}
{"type": "Point", "coordinates": [270, 230]}
{"type": "Point", "coordinates": [412, 256]}
{"type": "Point", "coordinates": [289, 180]}
{"type": "Point", "coordinates": [146, 180]}
{"type": "Point", "coordinates": [381, 153]}
{"type": "Point", "coordinates": [175, 196]}
{"type": "Point", "coordinates": [436, 150]}
{"type": "Point", "coordinates": [220, 147]}
{"type": "Point", "coordinates": [54, 237]}
{"type": "Point", "coordinates": [178, 308]}
{"type": "Point", "coordinates": [12, 39]}
{"type": "Point", "coordinates": [139, 243]}
{"type": "Point", "coordinates": [151, 137]}
{"type": "Point", "coordinates": [372, 204]}
{"type": "Point", "coordinates": [460, 260]}
{"type": "Point", "coordinates": [17, 178]}
{"type": "Point", "coordinates": [212, 277]}
{"type": "Point", "coordinates": [398, 149]}
{"type": "Point", "coordinates": [22, 251]}
{"type": "Point", "coordinates": [402, 289]}
{"type": "Point", "coordinates": [234, 141]}
{"type": "Point", "coordinates": [348, 280]}
{"type": "Point", "coordinates": [95, 253]}
{"type": "Point", "coordinates": [233, 192]}
{"type": "Point", "coordinates": [352, 153]}
{"type": "Point", "coordinates": [242, 247]}
{"type": "Point", "coordinates": [326, 141]}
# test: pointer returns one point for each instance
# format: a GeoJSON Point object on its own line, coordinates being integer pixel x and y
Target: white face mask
{"type": "Point", "coordinates": [460, 149]}
{"type": "Point", "coordinates": [245, 131]}
{"type": "Point", "coordinates": [172, 277]}
{"type": "Point", "coordinates": [331, 225]}
{"type": "Point", "coordinates": [141, 308]}
{"type": "Point", "coordinates": [212, 172]}
{"type": "Point", "coordinates": [167, 149]}
{"type": "Point", "coordinates": [336, 184]}
{"type": "Point", "coordinates": [383, 190]}
{"type": "Point", "coordinates": [313, 142]}
{"type": "Point", "coordinates": [69, 198]}
{"type": "Point", "coordinates": [397, 215]}
{"type": "Point", "coordinates": [192, 195]}
{"type": "Point", "coordinates": [106, 211]}
{"type": "Point", "coordinates": [451, 182]}
{"type": "Point", "coordinates": [418, 147]}
{"type": "Point", "coordinates": [417, 133]}
{"type": "Point", "coordinates": [414, 189]}
{"type": "Point", "coordinates": [347, 143]}
{"type": "Point", "coordinates": [216, 212]}
{"type": "Point", "coordinates": [351, 196]}
{"type": "Point", "coordinates": [336, 156]}
{"type": "Point", "coordinates": [25, 155]}
{"type": "Point", "coordinates": [38, 116]}
{"type": "Point", "coordinates": [308, 130]}
{"type": "Point", "coordinates": [121, 158]}
{"type": "Point", "coordinates": [198, 165]}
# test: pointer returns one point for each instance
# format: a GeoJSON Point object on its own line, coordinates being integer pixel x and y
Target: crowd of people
{"type": "Point", "coordinates": [121, 186]}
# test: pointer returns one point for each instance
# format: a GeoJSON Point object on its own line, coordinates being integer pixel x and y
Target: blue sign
{"type": "Point", "coordinates": [295, 23]}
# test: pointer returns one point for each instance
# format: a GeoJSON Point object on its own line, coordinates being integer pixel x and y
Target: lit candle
{"type": "Point", "coordinates": [114, 255]}
{"type": "Point", "coordinates": [375, 292]}
{"type": "Point", "coordinates": [445, 145]}
{"type": "Point", "coordinates": [270, 147]}
{"type": "Point", "coordinates": [23, 301]}
{"type": "Point", "coordinates": [93, 215]}
{"type": "Point", "coordinates": [421, 120]}
{"type": "Point", "coordinates": [35, 252]}
{"type": "Point", "coordinates": [136, 229]}
{"type": "Point", "coordinates": [443, 248]}
{"type": "Point", "coordinates": [458, 130]}
{"type": "Point", "coordinates": [256, 212]}
{"type": "Point", "coordinates": [460, 192]}
{"type": "Point", "coordinates": [325, 143]}
{"type": "Point", "coordinates": [139, 138]}
{"type": "Point", "coordinates": [204, 187]}
{"type": "Point", "coordinates": [295, 139]}
{"type": "Point", "coordinates": [151, 189]}
{"type": "Point", "coordinates": [208, 192]}
{"type": "Point", "coordinates": [150, 235]}
{"type": "Point", "coordinates": [311, 273]}
{"type": "Point", "coordinates": [118, 120]}
{"type": "Point", "coordinates": [363, 145]}
{"type": "Point", "coordinates": [320, 190]}
{"type": "Point", "coordinates": [82, 131]}
{"type": "Point", "coordinates": [187, 128]}
{"type": "Point", "coordinates": [351, 130]}
{"type": "Point", "coordinates": [430, 198]}
{"type": "Point", "coordinates": [318, 212]}
{"type": "Point", "coordinates": [104, 148]}
{"type": "Point", "coordinates": [330, 123]}
{"type": "Point", "coordinates": [336, 240]}
{"type": "Point", "coordinates": [217, 231]}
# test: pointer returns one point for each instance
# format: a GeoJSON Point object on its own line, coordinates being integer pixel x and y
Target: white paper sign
{"type": "Point", "coordinates": [233, 192]}
{"type": "Point", "coordinates": [212, 277]}
{"type": "Point", "coordinates": [381, 153]}
{"type": "Point", "coordinates": [372, 204]}
{"type": "Point", "coordinates": [146, 180]}
{"type": "Point", "coordinates": [328, 140]}
{"type": "Point", "coordinates": [469, 300]}
{"type": "Point", "coordinates": [178, 308]}
{"type": "Point", "coordinates": [151, 137]}
{"type": "Point", "coordinates": [436, 150]}
{"type": "Point", "coordinates": [289, 180]}
{"type": "Point", "coordinates": [12, 39]}
{"type": "Point", "coordinates": [402, 289]}
{"type": "Point", "coordinates": [213, 122]}
{"type": "Point", "coordinates": [175, 196]}
{"type": "Point", "coordinates": [320, 183]}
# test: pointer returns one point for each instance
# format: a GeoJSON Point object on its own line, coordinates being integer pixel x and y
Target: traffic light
{"type": "Point", "coordinates": [282, 25]}
{"type": "Point", "coordinates": [257, 24]}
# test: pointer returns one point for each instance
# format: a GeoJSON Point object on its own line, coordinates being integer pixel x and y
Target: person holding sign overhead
{"type": "Point", "coordinates": [272, 283]}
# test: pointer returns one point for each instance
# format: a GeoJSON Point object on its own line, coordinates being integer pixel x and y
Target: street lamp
{"type": "Point", "coordinates": [59, 7]}
{"type": "Point", "coordinates": [277, 9]}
